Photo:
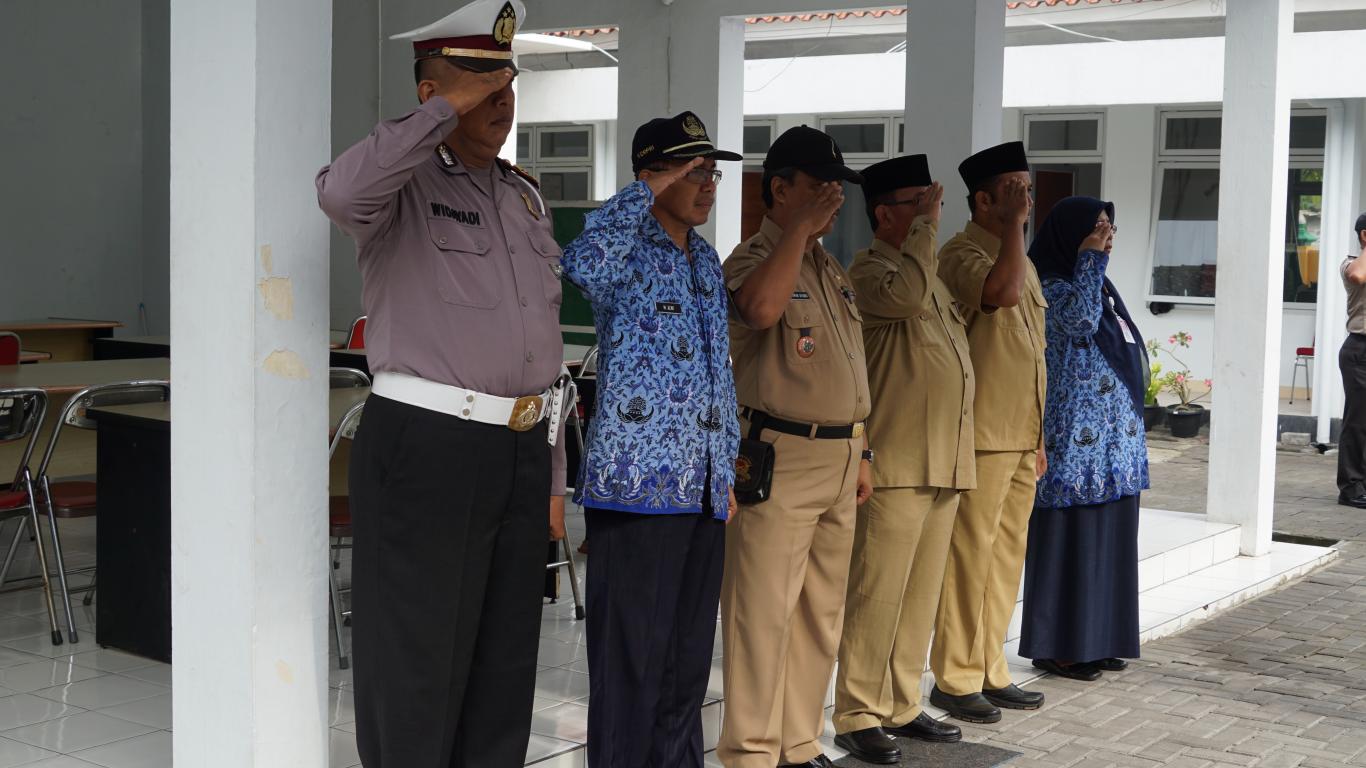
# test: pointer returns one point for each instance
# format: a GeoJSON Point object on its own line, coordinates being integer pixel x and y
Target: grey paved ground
{"type": "Point", "coordinates": [1276, 683]}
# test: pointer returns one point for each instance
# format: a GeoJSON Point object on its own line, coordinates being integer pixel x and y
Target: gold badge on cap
{"type": "Point", "coordinates": [693, 127]}
{"type": "Point", "coordinates": [505, 28]}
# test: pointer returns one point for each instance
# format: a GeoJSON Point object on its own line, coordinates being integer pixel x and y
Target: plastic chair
{"type": "Point", "coordinates": [1304, 360]}
{"type": "Point", "coordinates": [9, 348]}
{"type": "Point", "coordinates": [347, 378]}
{"type": "Point", "coordinates": [74, 498]}
{"type": "Point", "coordinates": [339, 528]}
{"type": "Point", "coordinates": [22, 411]}
{"type": "Point", "coordinates": [355, 338]}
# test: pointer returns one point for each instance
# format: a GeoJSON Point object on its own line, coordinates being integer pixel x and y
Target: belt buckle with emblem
{"type": "Point", "coordinates": [526, 413]}
{"type": "Point", "coordinates": [858, 430]}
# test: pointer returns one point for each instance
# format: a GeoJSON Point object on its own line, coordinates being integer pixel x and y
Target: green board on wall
{"type": "Point", "coordinates": [576, 315]}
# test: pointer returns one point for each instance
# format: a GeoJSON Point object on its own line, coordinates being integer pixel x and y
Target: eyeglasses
{"type": "Point", "coordinates": [913, 201]}
{"type": "Point", "coordinates": [1114, 228]}
{"type": "Point", "coordinates": [696, 175]}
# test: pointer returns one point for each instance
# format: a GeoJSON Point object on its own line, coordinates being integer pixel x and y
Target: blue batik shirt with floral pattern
{"type": "Point", "coordinates": [1097, 452]}
{"type": "Point", "coordinates": [665, 423]}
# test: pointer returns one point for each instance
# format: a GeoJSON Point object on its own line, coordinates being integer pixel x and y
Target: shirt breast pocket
{"type": "Point", "coordinates": [464, 273]}
{"type": "Point", "coordinates": [805, 335]}
{"type": "Point", "coordinates": [548, 257]}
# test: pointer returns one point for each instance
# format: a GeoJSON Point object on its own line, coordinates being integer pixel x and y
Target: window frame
{"type": "Point", "coordinates": [538, 166]}
{"type": "Point", "coordinates": [1054, 156]}
{"type": "Point", "coordinates": [863, 158]}
{"type": "Point", "coordinates": [587, 170]}
{"type": "Point", "coordinates": [555, 128]}
{"type": "Point", "coordinates": [771, 123]}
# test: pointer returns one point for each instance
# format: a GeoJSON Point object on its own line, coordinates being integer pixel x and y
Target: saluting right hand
{"type": "Point", "coordinates": [658, 181]}
{"type": "Point", "coordinates": [1097, 240]}
{"type": "Point", "coordinates": [931, 202]}
{"type": "Point", "coordinates": [466, 90]}
{"type": "Point", "coordinates": [815, 214]}
{"type": "Point", "coordinates": [1014, 203]}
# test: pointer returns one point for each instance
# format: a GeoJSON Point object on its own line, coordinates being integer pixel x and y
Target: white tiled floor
{"type": "Point", "coordinates": [81, 706]}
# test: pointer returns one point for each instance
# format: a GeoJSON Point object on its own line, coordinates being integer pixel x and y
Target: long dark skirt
{"type": "Point", "coordinates": [1081, 583]}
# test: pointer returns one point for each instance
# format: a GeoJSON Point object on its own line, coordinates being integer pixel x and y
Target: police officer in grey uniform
{"type": "Point", "coordinates": [453, 463]}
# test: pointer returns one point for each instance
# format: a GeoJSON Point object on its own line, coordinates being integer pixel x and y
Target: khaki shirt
{"type": "Point", "coordinates": [1007, 344]}
{"type": "Point", "coordinates": [823, 383]}
{"type": "Point", "coordinates": [919, 366]}
{"type": "Point", "coordinates": [1356, 299]}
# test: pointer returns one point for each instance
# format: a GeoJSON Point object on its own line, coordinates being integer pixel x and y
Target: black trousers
{"type": "Point", "coordinates": [1352, 442]}
{"type": "Point", "coordinates": [654, 583]}
{"type": "Point", "coordinates": [450, 522]}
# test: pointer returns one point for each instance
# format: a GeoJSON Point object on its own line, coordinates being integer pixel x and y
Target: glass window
{"type": "Point", "coordinates": [1064, 135]}
{"type": "Point", "coordinates": [900, 138]}
{"type": "Point", "coordinates": [859, 138]}
{"type": "Point", "coordinates": [1187, 233]}
{"type": "Point", "coordinates": [564, 144]}
{"type": "Point", "coordinates": [1308, 132]}
{"type": "Point", "coordinates": [1192, 133]}
{"type": "Point", "coordinates": [1055, 181]}
{"type": "Point", "coordinates": [758, 138]}
{"type": "Point", "coordinates": [565, 185]}
{"type": "Point", "coordinates": [523, 147]}
{"type": "Point", "coordinates": [1303, 221]}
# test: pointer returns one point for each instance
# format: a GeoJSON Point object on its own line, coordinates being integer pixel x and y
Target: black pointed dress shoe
{"type": "Point", "coordinates": [871, 745]}
{"type": "Point", "coordinates": [1087, 673]}
{"type": "Point", "coordinates": [1013, 697]}
{"type": "Point", "coordinates": [1353, 501]}
{"type": "Point", "coordinates": [926, 728]}
{"type": "Point", "coordinates": [1111, 665]}
{"type": "Point", "coordinates": [973, 707]}
{"type": "Point", "coordinates": [819, 761]}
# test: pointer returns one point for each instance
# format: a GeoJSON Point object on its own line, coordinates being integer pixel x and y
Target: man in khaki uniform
{"type": "Point", "coordinates": [920, 375]}
{"type": "Point", "coordinates": [801, 385]}
{"type": "Point", "coordinates": [989, 275]}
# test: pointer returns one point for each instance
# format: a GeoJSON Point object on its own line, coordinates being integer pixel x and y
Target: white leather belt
{"type": "Point", "coordinates": [516, 413]}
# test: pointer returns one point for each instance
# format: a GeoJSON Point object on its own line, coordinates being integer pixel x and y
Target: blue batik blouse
{"type": "Point", "coordinates": [666, 420]}
{"type": "Point", "coordinates": [1093, 435]}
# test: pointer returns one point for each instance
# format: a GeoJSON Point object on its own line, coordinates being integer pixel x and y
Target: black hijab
{"type": "Point", "coordinates": [1054, 253]}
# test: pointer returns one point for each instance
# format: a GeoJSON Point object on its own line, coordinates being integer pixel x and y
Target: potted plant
{"type": "Point", "coordinates": [1186, 416]}
{"type": "Point", "coordinates": [1153, 414]}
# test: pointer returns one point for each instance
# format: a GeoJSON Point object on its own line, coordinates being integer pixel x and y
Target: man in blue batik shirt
{"type": "Point", "coordinates": [656, 480]}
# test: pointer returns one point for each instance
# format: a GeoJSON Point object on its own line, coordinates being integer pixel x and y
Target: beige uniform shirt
{"type": "Point", "coordinates": [1007, 345]}
{"type": "Point", "coordinates": [919, 366]}
{"type": "Point", "coordinates": [809, 367]}
{"type": "Point", "coordinates": [1356, 299]}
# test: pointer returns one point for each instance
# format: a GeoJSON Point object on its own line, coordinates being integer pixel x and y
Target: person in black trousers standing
{"type": "Point", "coordinates": [1352, 363]}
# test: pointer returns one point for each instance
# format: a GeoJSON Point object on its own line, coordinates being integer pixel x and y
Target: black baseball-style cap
{"type": "Point", "coordinates": [890, 175]}
{"type": "Point", "coordinates": [992, 162]}
{"type": "Point", "coordinates": [812, 152]}
{"type": "Point", "coordinates": [681, 137]}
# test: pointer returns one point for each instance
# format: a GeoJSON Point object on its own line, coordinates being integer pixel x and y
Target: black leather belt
{"type": "Point", "coordinates": [759, 421]}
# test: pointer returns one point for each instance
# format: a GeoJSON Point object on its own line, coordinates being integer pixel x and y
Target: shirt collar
{"type": "Point", "coordinates": [984, 239]}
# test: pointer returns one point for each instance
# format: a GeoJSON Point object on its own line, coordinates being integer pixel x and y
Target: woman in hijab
{"type": "Point", "coordinates": [1081, 572]}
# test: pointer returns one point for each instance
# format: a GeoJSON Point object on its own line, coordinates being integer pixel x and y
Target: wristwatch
{"type": "Point", "coordinates": [868, 455]}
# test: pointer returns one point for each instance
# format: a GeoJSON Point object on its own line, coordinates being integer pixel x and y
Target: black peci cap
{"type": "Point", "coordinates": [992, 162]}
{"type": "Point", "coordinates": [889, 175]}
{"type": "Point", "coordinates": [1361, 224]}
{"type": "Point", "coordinates": [810, 151]}
{"type": "Point", "coordinates": [682, 136]}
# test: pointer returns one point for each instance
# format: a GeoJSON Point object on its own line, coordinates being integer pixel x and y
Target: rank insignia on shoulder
{"type": "Point", "coordinates": [526, 199]}
{"type": "Point", "coordinates": [520, 171]}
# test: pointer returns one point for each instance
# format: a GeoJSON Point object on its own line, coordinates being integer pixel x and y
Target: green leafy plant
{"type": "Point", "coordinates": [1154, 383]}
{"type": "Point", "coordinates": [1179, 381]}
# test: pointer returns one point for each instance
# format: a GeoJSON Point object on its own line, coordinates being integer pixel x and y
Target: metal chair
{"type": "Point", "coordinates": [347, 378]}
{"type": "Point", "coordinates": [355, 338]}
{"type": "Point", "coordinates": [10, 347]}
{"type": "Point", "coordinates": [1304, 360]}
{"type": "Point", "coordinates": [573, 418]}
{"type": "Point", "coordinates": [22, 411]}
{"type": "Point", "coordinates": [74, 498]}
{"type": "Point", "coordinates": [339, 528]}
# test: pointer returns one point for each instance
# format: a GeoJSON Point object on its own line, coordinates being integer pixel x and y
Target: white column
{"type": "Point", "coordinates": [955, 62]}
{"type": "Point", "coordinates": [1341, 190]}
{"type": "Point", "coordinates": [1247, 310]}
{"type": "Point", "coordinates": [250, 110]}
{"type": "Point", "coordinates": [671, 61]}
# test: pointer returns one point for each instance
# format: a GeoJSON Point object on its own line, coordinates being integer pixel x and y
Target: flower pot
{"type": "Point", "coordinates": [1153, 416]}
{"type": "Point", "coordinates": [1185, 421]}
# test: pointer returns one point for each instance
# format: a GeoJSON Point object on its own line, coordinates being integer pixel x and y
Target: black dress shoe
{"type": "Point", "coordinates": [973, 707]}
{"type": "Point", "coordinates": [1353, 501]}
{"type": "Point", "coordinates": [1111, 665]}
{"type": "Point", "coordinates": [926, 728]}
{"type": "Point", "coordinates": [1012, 697]}
{"type": "Point", "coordinates": [871, 745]}
{"type": "Point", "coordinates": [1087, 673]}
{"type": "Point", "coordinates": [819, 761]}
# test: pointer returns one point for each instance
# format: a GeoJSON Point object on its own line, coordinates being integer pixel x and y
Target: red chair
{"type": "Point", "coordinates": [9, 348]}
{"type": "Point", "coordinates": [355, 339]}
{"type": "Point", "coordinates": [1304, 360]}
{"type": "Point", "coordinates": [21, 416]}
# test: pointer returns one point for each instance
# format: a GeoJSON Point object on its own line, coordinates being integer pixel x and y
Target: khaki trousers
{"type": "Point", "coordinates": [982, 577]}
{"type": "Point", "coordinates": [782, 602]}
{"type": "Point", "coordinates": [901, 543]}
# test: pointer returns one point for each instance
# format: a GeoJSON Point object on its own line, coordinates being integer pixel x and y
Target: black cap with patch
{"type": "Point", "coordinates": [992, 162]}
{"type": "Point", "coordinates": [681, 137]}
{"type": "Point", "coordinates": [812, 152]}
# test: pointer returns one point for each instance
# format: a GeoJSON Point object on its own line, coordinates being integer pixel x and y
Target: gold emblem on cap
{"type": "Point", "coordinates": [693, 127]}
{"type": "Point", "coordinates": [506, 26]}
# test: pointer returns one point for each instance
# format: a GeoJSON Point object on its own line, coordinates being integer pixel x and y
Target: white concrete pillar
{"type": "Point", "coordinates": [1341, 190]}
{"type": "Point", "coordinates": [955, 62]}
{"type": "Point", "coordinates": [1247, 310]}
{"type": "Point", "coordinates": [250, 111]}
{"type": "Point", "coordinates": [671, 61]}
